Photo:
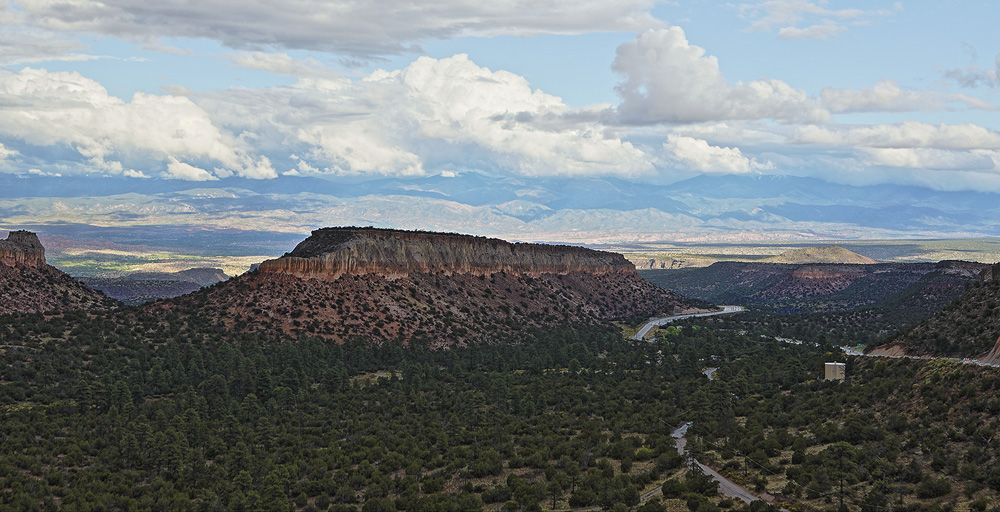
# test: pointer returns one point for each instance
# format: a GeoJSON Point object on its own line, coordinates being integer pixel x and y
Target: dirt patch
{"type": "Point", "coordinates": [993, 356]}
{"type": "Point", "coordinates": [890, 351]}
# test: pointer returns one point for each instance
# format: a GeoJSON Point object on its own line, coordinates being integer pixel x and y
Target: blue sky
{"type": "Point", "coordinates": [850, 92]}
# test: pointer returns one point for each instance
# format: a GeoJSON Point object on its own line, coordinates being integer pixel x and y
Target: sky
{"type": "Point", "coordinates": [849, 92]}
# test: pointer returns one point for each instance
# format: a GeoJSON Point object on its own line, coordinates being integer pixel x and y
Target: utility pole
{"type": "Point", "coordinates": [840, 470]}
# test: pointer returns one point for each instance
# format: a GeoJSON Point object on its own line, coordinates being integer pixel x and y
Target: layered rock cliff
{"type": "Point", "coordinates": [437, 288]}
{"type": "Point", "coordinates": [22, 248]}
{"type": "Point", "coordinates": [333, 252]}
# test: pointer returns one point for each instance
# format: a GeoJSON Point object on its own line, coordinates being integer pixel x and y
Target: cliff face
{"type": "Point", "coordinates": [22, 248]}
{"type": "Point", "coordinates": [334, 252]}
{"type": "Point", "coordinates": [443, 289]}
{"type": "Point", "coordinates": [990, 273]}
{"type": "Point", "coordinates": [29, 285]}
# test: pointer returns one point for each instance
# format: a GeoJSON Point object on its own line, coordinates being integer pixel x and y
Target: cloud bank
{"type": "Point", "coordinates": [347, 28]}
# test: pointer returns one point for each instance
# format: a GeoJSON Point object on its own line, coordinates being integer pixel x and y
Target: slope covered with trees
{"type": "Point", "coordinates": [967, 327]}
{"type": "Point", "coordinates": [143, 412]}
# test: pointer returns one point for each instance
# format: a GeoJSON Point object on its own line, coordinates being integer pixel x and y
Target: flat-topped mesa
{"type": "Point", "coordinates": [333, 252]}
{"type": "Point", "coordinates": [22, 248]}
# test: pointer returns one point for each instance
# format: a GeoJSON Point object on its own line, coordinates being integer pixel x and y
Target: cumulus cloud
{"type": "Point", "coordinates": [183, 171]}
{"type": "Point", "coordinates": [788, 15]}
{"type": "Point", "coordinates": [667, 79]}
{"type": "Point", "coordinates": [437, 112]}
{"type": "Point", "coordinates": [69, 110]}
{"type": "Point", "coordinates": [699, 155]}
{"type": "Point", "coordinates": [887, 96]}
{"type": "Point", "coordinates": [343, 26]}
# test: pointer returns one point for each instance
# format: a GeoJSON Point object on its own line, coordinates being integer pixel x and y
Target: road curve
{"type": "Point", "coordinates": [726, 486]}
{"type": "Point", "coordinates": [653, 322]}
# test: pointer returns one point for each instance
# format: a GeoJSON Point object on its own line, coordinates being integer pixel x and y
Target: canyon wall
{"type": "Point", "coordinates": [333, 252]}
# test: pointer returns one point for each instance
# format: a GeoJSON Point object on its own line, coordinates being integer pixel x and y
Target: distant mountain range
{"type": "Point", "coordinates": [244, 217]}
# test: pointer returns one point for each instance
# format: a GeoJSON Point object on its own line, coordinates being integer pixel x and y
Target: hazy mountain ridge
{"type": "Point", "coordinates": [260, 216]}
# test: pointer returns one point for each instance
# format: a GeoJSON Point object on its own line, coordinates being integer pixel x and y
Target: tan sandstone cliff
{"type": "Point", "coordinates": [22, 248]}
{"type": "Point", "coordinates": [333, 252]}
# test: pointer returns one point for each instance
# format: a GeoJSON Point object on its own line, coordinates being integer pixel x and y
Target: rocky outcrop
{"type": "Point", "coordinates": [383, 285]}
{"type": "Point", "coordinates": [827, 254]}
{"type": "Point", "coordinates": [29, 285]}
{"type": "Point", "coordinates": [22, 248]}
{"type": "Point", "coordinates": [664, 263]}
{"type": "Point", "coordinates": [990, 273]}
{"type": "Point", "coordinates": [993, 356]}
{"type": "Point", "coordinates": [334, 252]}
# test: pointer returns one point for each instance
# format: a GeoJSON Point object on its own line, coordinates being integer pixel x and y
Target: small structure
{"type": "Point", "coordinates": [835, 371]}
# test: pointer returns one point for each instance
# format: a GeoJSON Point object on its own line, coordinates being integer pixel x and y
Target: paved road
{"type": "Point", "coordinates": [653, 322]}
{"type": "Point", "coordinates": [726, 486]}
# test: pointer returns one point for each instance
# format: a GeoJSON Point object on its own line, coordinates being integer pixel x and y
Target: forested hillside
{"type": "Point", "coordinates": [139, 412]}
{"type": "Point", "coordinates": [968, 327]}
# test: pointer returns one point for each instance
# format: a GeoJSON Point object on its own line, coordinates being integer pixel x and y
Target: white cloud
{"type": "Point", "coordinates": [183, 171]}
{"type": "Point", "coordinates": [667, 79]}
{"type": "Point", "coordinates": [886, 96]}
{"type": "Point", "coordinates": [435, 112]}
{"type": "Point", "coordinates": [933, 158]}
{"type": "Point", "coordinates": [699, 155]}
{"type": "Point", "coordinates": [282, 64]}
{"type": "Point", "coordinates": [788, 16]}
{"type": "Point", "coordinates": [39, 172]}
{"type": "Point", "coordinates": [6, 153]}
{"type": "Point", "coordinates": [66, 109]}
{"type": "Point", "coordinates": [820, 31]}
{"type": "Point", "coordinates": [345, 27]}
{"type": "Point", "coordinates": [909, 134]}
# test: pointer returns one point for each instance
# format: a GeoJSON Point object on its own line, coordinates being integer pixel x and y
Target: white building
{"type": "Point", "coordinates": [835, 371]}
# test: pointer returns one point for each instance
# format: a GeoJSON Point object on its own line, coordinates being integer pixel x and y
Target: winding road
{"type": "Point", "coordinates": [653, 322]}
{"type": "Point", "coordinates": [726, 486]}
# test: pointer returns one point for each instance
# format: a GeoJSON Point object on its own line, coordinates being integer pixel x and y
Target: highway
{"type": "Point", "coordinates": [653, 322]}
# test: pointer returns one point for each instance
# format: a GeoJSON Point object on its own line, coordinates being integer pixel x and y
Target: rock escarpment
{"type": "Point", "coordinates": [443, 289]}
{"type": "Point", "coordinates": [22, 248]}
{"type": "Point", "coordinates": [29, 285]}
{"type": "Point", "coordinates": [333, 252]}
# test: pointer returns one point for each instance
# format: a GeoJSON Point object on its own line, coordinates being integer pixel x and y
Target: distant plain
{"type": "Point", "coordinates": [983, 250]}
